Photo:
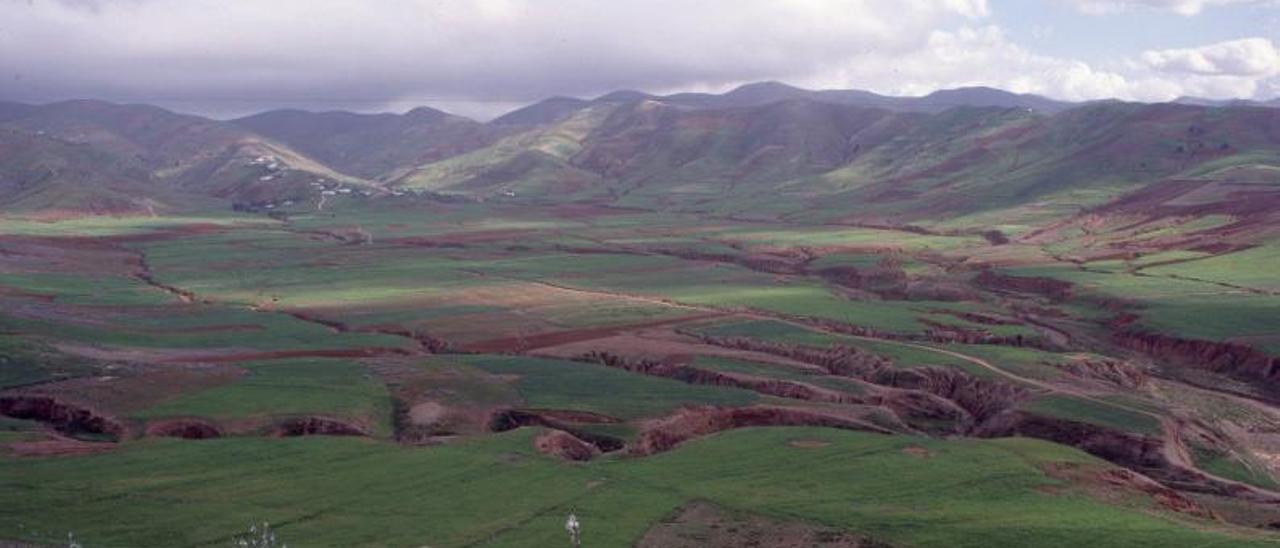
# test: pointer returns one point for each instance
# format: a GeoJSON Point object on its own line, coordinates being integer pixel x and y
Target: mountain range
{"type": "Point", "coordinates": [765, 149]}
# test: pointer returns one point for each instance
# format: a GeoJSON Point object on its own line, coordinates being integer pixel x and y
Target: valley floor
{"type": "Point", "coordinates": [468, 374]}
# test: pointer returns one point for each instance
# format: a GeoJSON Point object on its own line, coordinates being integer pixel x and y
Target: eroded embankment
{"type": "Point", "coordinates": [317, 426]}
{"type": "Point", "coordinates": [65, 417]}
{"type": "Point", "coordinates": [693, 422]}
{"type": "Point", "coordinates": [1055, 289]}
{"type": "Point", "coordinates": [189, 429]}
{"type": "Point", "coordinates": [1146, 454]}
{"type": "Point", "coordinates": [566, 446]}
{"type": "Point", "coordinates": [978, 398]}
{"type": "Point", "coordinates": [693, 375]}
{"type": "Point", "coordinates": [510, 419]}
{"type": "Point", "coordinates": [1238, 360]}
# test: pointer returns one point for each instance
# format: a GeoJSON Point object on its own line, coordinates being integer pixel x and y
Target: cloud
{"type": "Point", "coordinates": [484, 56]}
{"type": "Point", "coordinates": [985, 56]}
{"type": "Point", "coordinates": [482, 50]}
{"type": "Point", "coordinates": [1180, 7]}
{"type": "Point", "coordinates": [981, 56]}
{"type": "Point", "coordinates": [1256, 57]}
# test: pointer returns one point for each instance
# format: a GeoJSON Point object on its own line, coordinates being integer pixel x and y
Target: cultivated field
{"type": "Point", "coordinates": [466, 374]}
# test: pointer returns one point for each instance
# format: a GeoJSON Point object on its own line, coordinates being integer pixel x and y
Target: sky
{"type": "Point", "coordinates": [480, 58]}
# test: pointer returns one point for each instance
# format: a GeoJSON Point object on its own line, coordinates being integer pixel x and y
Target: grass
{"type": "Point", "coordinates": [560, 384]}
{"type": "Point", "coordinates": [193, 327]}
{"type": "Point", "coordinates": [116, 226]}
{"type": "Point", "coordinates": [497, 492]}
{"type": "Point", "coordinates": [1231, 467]}
{"type": "Point", "coordinates": [25, 362]}
{"type": "Point", "coordinates": [333, 387]}
{"type": "Point", "coordinates": [901, 354]}
{"type": "Point", "coordinates": [494, 490]}
{"type": "Point", "coordinates": [1082, 410]}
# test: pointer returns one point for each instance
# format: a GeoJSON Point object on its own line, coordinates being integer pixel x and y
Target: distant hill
{"type": "Point", "coordinates": [86, 150]}
{"type": "Point", "coordinates": [809, 157]}
{"type": "Point", "coordinates": [53, 177]}
{"type": "Point", "coordinates": [1200, 101]}
{"type": "Point", "coordinates": [762, 93]}
{"type": "Point", "coordinates": [547, 111]}
{"type": "Point", "coordinates": [369, 145]}
{"type": "Point", "coordinates": [763, 149]}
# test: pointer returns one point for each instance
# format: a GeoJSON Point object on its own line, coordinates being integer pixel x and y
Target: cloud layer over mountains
{"type": "Point", "coordinates": [485, 56]}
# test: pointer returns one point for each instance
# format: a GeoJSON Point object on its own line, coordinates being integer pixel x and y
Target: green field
{"type": "Point", "coordinates": [496, 492]}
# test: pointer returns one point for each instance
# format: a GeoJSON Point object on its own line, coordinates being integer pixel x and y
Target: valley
{"type": "Point", "coordinates": [980, 319]}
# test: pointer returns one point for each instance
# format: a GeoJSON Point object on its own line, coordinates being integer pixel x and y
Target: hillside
{"type": "Point", "coordinates": [125, 153]}
{"type": "Point", "coordinates": [952, 158]}
{"type": "Point", "coordinates": [369, 145]}
{"type": "Point", "coordinates": [849, 162]}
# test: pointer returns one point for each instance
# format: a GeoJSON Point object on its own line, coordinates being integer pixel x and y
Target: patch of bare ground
{"type": "Point", "coordinates": [565, 446]}
{"type": "Point", "coordinates": [808, 443]}
{"type": "Point", "coordinates": [917, 451]}
{"type": "Point", "coordinates": [701, 524]}
{"type": "Point", "coordinates": [437, 403]}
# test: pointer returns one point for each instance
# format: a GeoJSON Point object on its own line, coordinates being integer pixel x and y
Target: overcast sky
{"type": "Point", "coordinates": [482, 57]}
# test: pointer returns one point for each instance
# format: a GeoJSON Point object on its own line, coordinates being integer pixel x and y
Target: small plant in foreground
{"type": "Point", "coordinates": [259, 535]}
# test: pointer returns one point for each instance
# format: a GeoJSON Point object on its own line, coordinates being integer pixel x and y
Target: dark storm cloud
{"type": "Point", "coordinates": [281, 52]}
{"type": "Point", "coordinates": [481, 57]}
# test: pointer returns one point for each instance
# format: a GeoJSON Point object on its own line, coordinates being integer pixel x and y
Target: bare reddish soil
{"type": "Point", "coordinates": [564, 445]}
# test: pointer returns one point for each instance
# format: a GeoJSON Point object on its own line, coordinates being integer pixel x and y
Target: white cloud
{"type": "Point", "coordinates": [981, 56]}
{"type": "Point", "coordinates": [1180, 7]}
{"type": "Point", "coordinates": [984, 56]}
{"type": "Point", "coordinates": [1255, 57]}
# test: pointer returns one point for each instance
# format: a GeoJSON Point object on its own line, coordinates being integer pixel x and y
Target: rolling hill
{"type": "Point", "coordinates": [952, 156]}
{"type": "Point", "coordinates": [134, 151]}
{"type": "Point", "coordinates": [369, 145]}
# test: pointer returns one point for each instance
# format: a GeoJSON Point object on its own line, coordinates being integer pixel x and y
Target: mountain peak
{"type": "Point", "coordinates": [623, 96]}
